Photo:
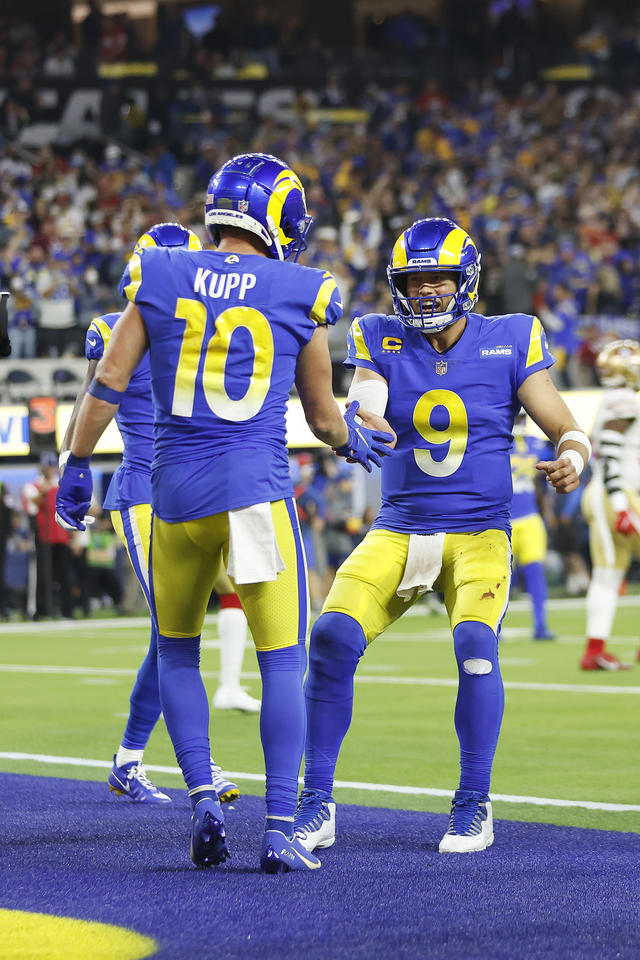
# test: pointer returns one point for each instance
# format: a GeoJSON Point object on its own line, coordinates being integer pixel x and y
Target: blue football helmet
{"type": "Point", "coordinates": [261, 194]}
{"type": "Point", "coordinates": [433, 245]}
{"type": "Point", "coordinates": [168, 235]}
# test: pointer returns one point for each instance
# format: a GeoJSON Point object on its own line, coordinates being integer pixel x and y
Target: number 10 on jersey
{"type": "Point", "coordinates": [216, 352]}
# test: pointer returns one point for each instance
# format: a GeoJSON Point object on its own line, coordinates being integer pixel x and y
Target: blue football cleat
{"type": "Point", "coordinates": [314, 824]}
{"type": "Point", "coordinates": [281, 855]}
{"type": "Point", "coordinates": [470, 824]}
{"type": "Point", "coordinates": [227, 790]}
{"type": "Point", "coordinates": [208, 838]}
{"type": "Point", "coordinates": [131, 781]}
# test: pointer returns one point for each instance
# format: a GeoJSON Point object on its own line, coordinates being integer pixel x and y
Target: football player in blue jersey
{"type": "Point", "coordinates": [129, 500]}
{"type": "Point", "coordinates": [229, 332]}
{"type": "Point", "coordinates": [450, 382]}
{"type": "Point", "coordinates": [528, 532]}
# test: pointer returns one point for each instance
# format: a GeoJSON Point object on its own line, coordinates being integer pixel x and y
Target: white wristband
{"type": "Point", "coordinates": [578, 437]}
{"type": "Point", "coordinates": [575, 457]}
{"type": "Point", "coordinates": [62, 459]}
{"type": "Point", "coordinates": [373, 395]}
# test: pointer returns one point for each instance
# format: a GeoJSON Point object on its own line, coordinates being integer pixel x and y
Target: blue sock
{"type": "Point", "coordinates": [480, 703]}
{"type": "Point", "coordinates": [144, 701]}
{"type": "Point", "coordinates": [202, 795]}
{"type": "Point", "coordinates": [282, 726]}
{"type": "Point", "coordinates": [185, 706]}
{"type": "Point", "coordinates": [535, 580]}
{"type": "Point", "coordinates": [336, 645]}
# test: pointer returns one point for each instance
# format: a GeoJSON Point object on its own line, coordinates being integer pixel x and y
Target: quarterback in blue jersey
{"type": "Point", "coordinates": [528, 532]}
{"type": "Point", "coordinates": [228, 331]}
{"type": "Point", "coordinates": [450, 382]}
{"type": "Point", "coordinates": [129, 500]}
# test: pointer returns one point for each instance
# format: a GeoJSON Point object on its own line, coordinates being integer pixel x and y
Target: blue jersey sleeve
{"type": "Point", "coordinates": [326, 309]}
{"type": "Point", "coordinates": [98, 335]}
{"type": "Point", "coordinates": [361, 344]}
{"type": "Point", "coordinates": [533, 351]}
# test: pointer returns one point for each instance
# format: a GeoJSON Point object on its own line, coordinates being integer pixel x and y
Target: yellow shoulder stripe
{"type": "Point", "coordinates": [101, 327]}
{"type": "Point", "coordinates": [135, 272]}
{"type": "Point", "coordinates": [319, 309]}
{"type": "Point", "coordinates": [535, 354]}
{"type": "Point", "coordinates": [362, 350]}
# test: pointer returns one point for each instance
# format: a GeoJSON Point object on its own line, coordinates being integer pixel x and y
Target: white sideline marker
{"type": "Point", "coordinates": [339, 784]}
{"type": "Point", "coordinates": [54, 669]}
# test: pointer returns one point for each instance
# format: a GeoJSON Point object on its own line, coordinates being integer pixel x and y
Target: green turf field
{"type": "Point", "coordinates": [566, 735]}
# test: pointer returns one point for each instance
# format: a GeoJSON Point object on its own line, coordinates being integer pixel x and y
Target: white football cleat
{"type": "Point", "coordinates": [235, 698]}
{"type": "Point", "coordinates": [470, 824]}
{"type": "Point", "coordinates": [314, 824]}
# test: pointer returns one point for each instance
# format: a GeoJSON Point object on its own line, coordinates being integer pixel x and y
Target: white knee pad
{"type": "Point", "coordinates": [602, 600]}
{"type": "Point", "coordinates": [477, 666]}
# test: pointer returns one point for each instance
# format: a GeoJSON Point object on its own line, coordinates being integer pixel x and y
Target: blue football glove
{"type": "Point", "coordinates": [364, 446]}
{"type": "Point", "coordinates": [74, 494]}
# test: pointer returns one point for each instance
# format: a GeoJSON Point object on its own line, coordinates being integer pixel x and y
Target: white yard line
{"type": "Point", "coordinates": [339, 784]}
{"type": "Point", "coordinates": [397, 681]}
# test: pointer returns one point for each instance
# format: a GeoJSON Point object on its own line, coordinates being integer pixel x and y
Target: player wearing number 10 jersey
{"type": "Point", "coordinates": [450, 382]}
{"type": "Point", "coordinates": [228, 332]}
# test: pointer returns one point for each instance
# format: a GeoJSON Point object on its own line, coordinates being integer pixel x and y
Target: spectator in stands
{"type": "Point", "coordinates": [6, 526]}
{"type": "Point", "coordinates": [53, 577]}
{"type": "Point", "coordinates": [60, 58]}
{"type": "Point", "coordinates": [104, 584]}
{"type": "Point", "coordinates": [562, 321]}
{"type": "Point", "coordinates": [57, 289]}
{"type": "Point", "coordinates": [23, 317]}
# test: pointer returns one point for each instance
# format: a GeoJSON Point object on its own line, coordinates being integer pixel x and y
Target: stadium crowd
{"type": "Point", "coordinates": [547, 183]}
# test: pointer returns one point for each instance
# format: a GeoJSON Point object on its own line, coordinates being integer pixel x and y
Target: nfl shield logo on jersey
{"type": "Point", "coordinates": [243, 206]}
{"type": "Point", "coordinates": [441, 367]}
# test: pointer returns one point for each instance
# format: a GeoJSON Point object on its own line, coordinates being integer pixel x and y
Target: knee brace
{"type": "Point", "coordinates": [476, 648]}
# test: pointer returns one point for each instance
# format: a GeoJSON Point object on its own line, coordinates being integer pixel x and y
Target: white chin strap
{"type": "Point", "coordinates": [275, 236]}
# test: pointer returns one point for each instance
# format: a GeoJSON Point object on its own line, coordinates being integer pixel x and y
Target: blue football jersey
{"type": "Point", "coordinates": [131, 483]}
{"type": "Point", "coordinates": [525, 453]}
{"type": "Point", "coordinates": [225, 331]}
{"type": "Point", "coordinates": [453, 414]}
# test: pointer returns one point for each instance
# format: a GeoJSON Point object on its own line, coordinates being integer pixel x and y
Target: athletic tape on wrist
{"type": "Point", "coordinates": [575, 457]}
{"type": "Point", "coordinates": [578, 437]}
{"type": "Point", "coordinates": [372, 394]}
{"type": "Point", "coordinates": [101, 392]}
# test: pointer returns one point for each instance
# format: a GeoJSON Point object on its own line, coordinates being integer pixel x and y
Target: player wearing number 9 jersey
{"type": "Point", "coordinates": [228, 332]}
{"type": "Point", "coordinates": [450, 382]}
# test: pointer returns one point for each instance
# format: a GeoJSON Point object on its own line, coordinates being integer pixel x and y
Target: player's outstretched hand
{"type": "Point", "coordinates": [561, 474]}
{"type": "Point", "coordinates": [74, 494]}
{"type": "Point", "coordinates": [365, 446]}
{"type": "Point", "coordinates": [374, 421]}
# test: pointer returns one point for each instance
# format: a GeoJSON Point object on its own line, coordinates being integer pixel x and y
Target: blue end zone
{"type": "Point", "coordinates": [383, 890]}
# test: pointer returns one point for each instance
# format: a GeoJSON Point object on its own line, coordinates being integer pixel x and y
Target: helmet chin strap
{"type": "Point", "coordinates": [275, 235]}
